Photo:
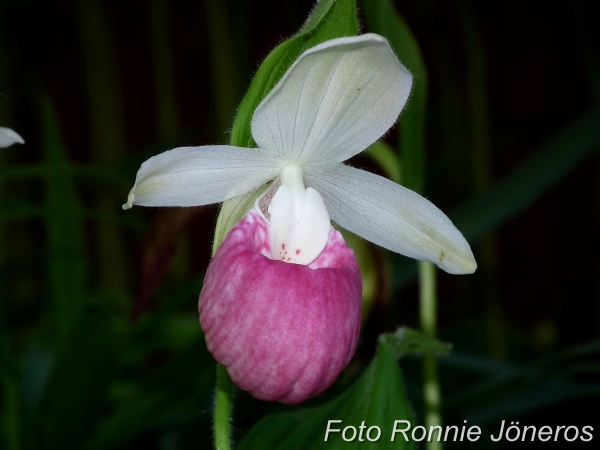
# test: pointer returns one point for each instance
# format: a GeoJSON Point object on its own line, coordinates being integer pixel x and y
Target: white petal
{"type": "Point", "coordinates": [336, 100]}
{"type": "Point", "coordinates": [192, 176]}
{"type": "Point", "coordinates": [391, 216]}
{"type": "Point", "coordinates": [299, 222]}
{"type": "Point", "coordinates": [9, 137]}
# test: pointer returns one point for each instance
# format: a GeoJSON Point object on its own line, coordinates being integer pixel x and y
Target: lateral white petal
{"type": "Point", "coordinates": [193, 176]}
{"type": "Point", "coordinates": [337, 99]}
{"type": "Point", "coordinates": [9, 137]}
{"type": "Point", "coordinates": [391, 216]}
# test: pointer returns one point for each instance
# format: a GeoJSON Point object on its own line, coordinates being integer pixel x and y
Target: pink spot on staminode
{"type": "Point", "coordinates": [289, 259]}
{"type": "Point", "coordinates": [282, 246]}
{"type": "Point", "coordinates": [297, 252]}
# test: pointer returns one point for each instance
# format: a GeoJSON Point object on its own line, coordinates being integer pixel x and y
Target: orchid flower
{"type": "Point", "coordinates": [9, 137]}
{"type": "Point", "coordinates": [280, 306]}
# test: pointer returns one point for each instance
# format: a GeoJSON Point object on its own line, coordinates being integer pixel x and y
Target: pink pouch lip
{"type": "Point", "coordinates": [284, 331]}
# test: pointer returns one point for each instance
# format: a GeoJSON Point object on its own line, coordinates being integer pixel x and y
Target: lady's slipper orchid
{"type": "Point", "coordinates": [9, 137]}
{"type": "Point", "coordinates": [280, 306]}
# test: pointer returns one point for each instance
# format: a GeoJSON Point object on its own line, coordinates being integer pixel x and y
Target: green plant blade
{"type": "Point", "coordinates": [513, 390]}
{"type": "Point", "coordinates": [37, 367]}
{"type": "Point", "coordinates": [543, 169]}
{"type": "Point", "coordinates": [406, 341]}
{"type": "Point", "coordinates": [330, 19]}
{"type": "Point", "coordinates": [383, 18]}
{"type": "Point", "coordinates": [231, 212]}
{"type": "Point", "coordinates": [387, 159]}
{"type": "Point", "coordinates": [77, 385]}
{"type": "Point", "coordinates": [171, 393]}
{"type": "Point", "coordinates": [66, 255]}
{"type": "Point", "coordinates": [377, 398]}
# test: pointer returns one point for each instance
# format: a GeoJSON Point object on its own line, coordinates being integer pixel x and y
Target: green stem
{"type": "Point", "coordinates": [164, 76]}
{"type": "Point", "coordinates": [222, 417]}
{"type": "Point", "coordinates": [12, 415]}
{"type": "Point", "coordinates": [431, 389]}
{"type": "Point", "coordinates": [222, 62]}
{"type": "Point", "coordinates": [481, 151]}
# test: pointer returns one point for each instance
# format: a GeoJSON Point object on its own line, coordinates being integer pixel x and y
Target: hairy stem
{"type": "Point", "coordinates": [222, 412]}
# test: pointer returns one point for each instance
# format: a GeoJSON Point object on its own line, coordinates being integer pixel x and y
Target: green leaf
{"type": "Point", "coordinates": [138, 416]}
{"type": "Point", "coordinates": [554, 160]}
{"type": "Point", "coordinates": [76, 389]}
{"type": "Point", "coordinates": [383, 18]}
{"type": "Point", "coordinates": [377, 398]}
{"type": "Point", "coordinates": [549, 380]}
{"type": "Point", "coordinates": [408, 341]}
{"type": "Point", "coordinates": [37, 369]}
{"type": "Point", "coordinates": [172, 391]}
{"type": "Point", "coordinates": [388, 160]}
{"type": "Point", "coordinates": [330, 19]}
{"type": "Point", "coordinates": [108, 176]}
{"type": "Point", "coordinates": [67, 260]}
{"type": "Point", "coordinates": [19, 210]}
{"type": "Point", "coordinates": [231, 212]}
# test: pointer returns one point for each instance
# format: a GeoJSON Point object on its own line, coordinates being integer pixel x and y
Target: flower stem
{"type": "Point", "coordinates": [12, 415]}
{"type": "Point", "coordinates": [222, 412]}
{"type": "Point", "coordinates": [431, 389]}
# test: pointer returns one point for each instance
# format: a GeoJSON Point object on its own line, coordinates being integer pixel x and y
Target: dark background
{"type": "Point", "coordinates": [98, 318]}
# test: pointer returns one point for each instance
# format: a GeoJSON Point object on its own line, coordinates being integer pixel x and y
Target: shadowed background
{"type": "Point", "coordinates": [99, 341]}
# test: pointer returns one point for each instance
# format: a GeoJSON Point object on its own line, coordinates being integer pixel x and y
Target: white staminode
{"type": "Point", "coordinates": [338, 98]}
{"type": "Point", "coordinates": [299, 222]}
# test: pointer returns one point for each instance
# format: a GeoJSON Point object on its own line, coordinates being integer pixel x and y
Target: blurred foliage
{"type": "Point", "coordinates": [99, 342]}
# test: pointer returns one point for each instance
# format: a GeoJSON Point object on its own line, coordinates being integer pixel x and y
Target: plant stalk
{"type": "Point", "coordinates": [222, 412]}
{"type": "Point", "coordinates": [428, 312]}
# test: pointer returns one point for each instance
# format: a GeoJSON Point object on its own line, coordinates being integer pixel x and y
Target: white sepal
{"type": "Point", "coordinates": [391, 216]}
{"type": "Point", "coordinates": [299, 222]}
{"type": "Point", "coordinates": [9, 137]}
{"type": "Point", "coordinates": [193, 176]}
{"type": "Point", "coordinates": [335, 100]}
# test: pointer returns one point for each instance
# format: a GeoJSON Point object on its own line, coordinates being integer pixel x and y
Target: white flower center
{"type": "Point", "coordinates": [298, 222]}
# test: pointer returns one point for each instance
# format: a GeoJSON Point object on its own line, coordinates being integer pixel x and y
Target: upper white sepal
{"type": "Point", "coordinates": [299, 221]}
{"type": "Point", "coordinates": [338, 98]}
